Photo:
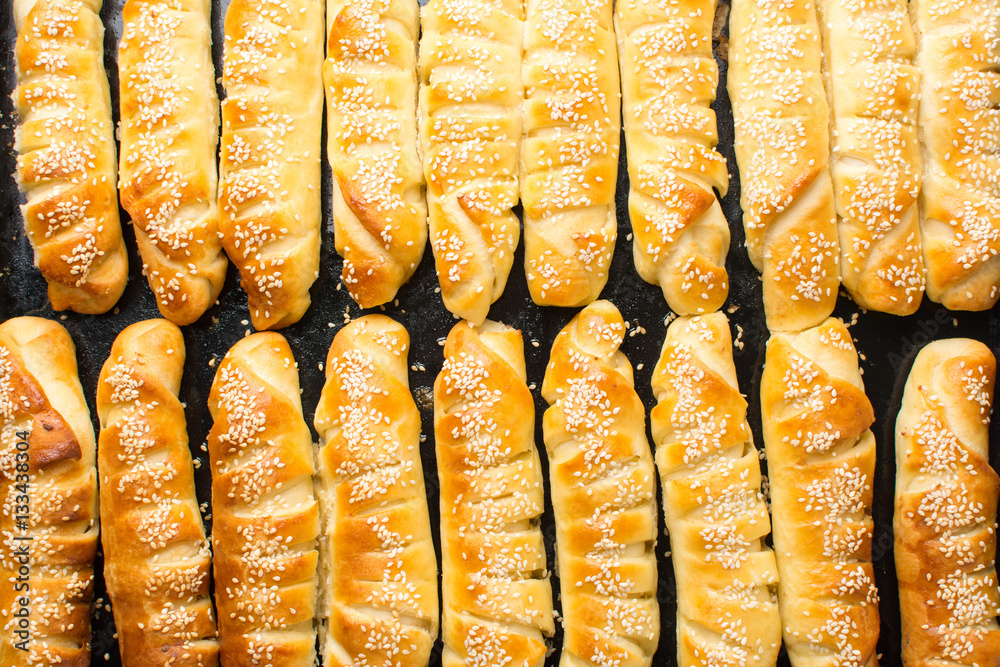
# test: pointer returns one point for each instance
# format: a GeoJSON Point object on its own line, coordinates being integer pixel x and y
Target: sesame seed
{"type": "Point", "coordinates": [491, 480]}
{"type": "Point", "coordinates": [269, 228]}
{"type": "Point", "coordinates": [600, 465]}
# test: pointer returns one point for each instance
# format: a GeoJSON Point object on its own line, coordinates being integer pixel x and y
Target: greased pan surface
{"type": "Point", "coordinates": [886, 344]}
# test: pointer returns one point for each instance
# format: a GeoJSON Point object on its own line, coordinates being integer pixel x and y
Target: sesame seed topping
{"type": "Point", "coordinates": [669, 76]}
{"type": "Point", "coordinates": [570, 149]}
{"type": "Point", "coordinates": [66, 153]}
{"type": "Point", "coordinates": [492, 485]}
{"type": "Point", "coordinates": [958, 61]}
{"type": "Point", "coordinates": [602, 478]}
{"type": "Point", "coordinates": [821, 462]}
{"type": "Point", "coordinates": [704, 448]}
{"type": "Point", "coordinates": [269, 156]}
{"type": "Point", "coordinates": [58, 485]}
{"type": "Point", "coordinates": [265, 512]}
{"type": "Point", "coordinates": [470, 54]}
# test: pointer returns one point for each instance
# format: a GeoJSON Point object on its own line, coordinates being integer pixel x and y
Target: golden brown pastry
{"type": "Point", "coordinates": [379, 213]}
{"type": "Point", "coordinates": [946, 509]}
{"type": "Point", "coordinates": [66, 153]}
{"type": "Point", "coordinates": [156, 557]}
{"type": "Point", "coordinates": [49, 524]}
{"type": "Point", "coordinates": [569, 160]}
{"type": "Point", "coordinates": [272, 119]}
{"type": "Point", "coordinates": [874, 91]}
{"type": "Point", "coordinates": [603, 486]}
{"type": "Point", "coordinates": [169, 133]}
{"type": "Point", "coordinates": [960, 131]}
{"type": "Point", "coordinates": [820, 464]}
{"type": "Point", "coordinates": [680, 236]}
{"type": "Point", "coordinates": [783, 151]}
{"type": "Point", "coordinates": [727, 607]}
{"type": "Point", "coordinates": [265, 516]}
{"type": "Point", "coordinates": [379, 569]}
{"type": "Point", "coordinates": [470, 131]}
{"type": "Point", "coordinates": [497, 598]}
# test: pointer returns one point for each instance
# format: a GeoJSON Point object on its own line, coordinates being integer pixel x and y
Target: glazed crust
{"type": "Point", "coordinates": [156, 557]}
{"type": "Point", "coordinates": [265, 516]}
{"type": "Point", "coordinates": [497, 598]}
{"type": "Point", "coordinates": [66, 153]}
{"type": "Point", "coordinates": [669, 77]}
{"type": "Point", "coordinates": [379, 213]}
{"type": "Point", "coordinates": [727, 608]}
{"type": "Point", "coordinates": [603, 485]}
{"type": "Point", "coordinates": [960, 130]}
{"type": "Point", "coordinates": [379, 565]}
{"type": "Point", "coordinates": [782, 148]}
{"type": "Point", "coordinates": [874, 90]}
{"type": "Point", "coordinates": [169, 134]}
{"type": "Point", "coordinates": [946, 504]}
{"type": "Point", "coordinates": [821, 464]}
{"type": "Point", "coordinates": [269, 162]}
{"type": "Point", "coordinates": [42, 405]}
{"type": "Point", "coordinates": [569, 157]}
{"type": "Point", "coordinates": [470, 131]}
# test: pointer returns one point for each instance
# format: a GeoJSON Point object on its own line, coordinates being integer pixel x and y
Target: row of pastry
{"type": "Point", "coordinates": [333, 548]}
{"type": "Point", "coordinates": [867, 135]}
{"type": "Point", "coordinates": [875, 164]}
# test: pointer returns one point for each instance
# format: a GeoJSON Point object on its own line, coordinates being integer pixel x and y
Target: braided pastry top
{"type": "Point", "coordinates": [66, 153]}
{"type": "Point", "coordinates": [380, 570]}
{"type": "Point", "coordinates": [946, 508]}
{"type": "Point", "coordinates": [265, 516]}
{"type": "Point", "coordinates": [603, 486]}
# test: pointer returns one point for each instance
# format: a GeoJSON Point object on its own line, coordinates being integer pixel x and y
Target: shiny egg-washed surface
{"type": "Point", "coordinates": [887, 344]}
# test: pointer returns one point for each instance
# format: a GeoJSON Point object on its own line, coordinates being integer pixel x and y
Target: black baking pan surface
{"type": "Point", "coordinates": [886, 344]}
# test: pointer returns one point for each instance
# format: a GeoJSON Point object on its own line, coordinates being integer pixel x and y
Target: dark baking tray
{"type": "Point", "coordinates": [886, 344]}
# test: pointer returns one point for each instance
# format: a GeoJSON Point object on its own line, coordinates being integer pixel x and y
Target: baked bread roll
{"type": "Point", "coordinates": [497, 598]}
{"type": "Point", "coordinates": [470, 131]}
{"type": "Point", "coordinates": [960, 130]}
{"type": "Point", "coordinates": [946, 508]}
{"type": "Point", "coordinates": [874, 92]}
{"type": "Point", "coordinates": [272, 118]}
{"type": "Point", "coordinates": [820, 464]}
{"type": "Point", "coordinates": [603, 486]}
{"type": "Point", "coordinates": [680, 237]}
{"type": "Point", "coordinates": [783, 152]}
{"type": "Point", "coordinates": [379, 214]}
{"type": "Point", "coordinates": [727, 607]}
{"type": "Point", "coordinates": [66, 153]}
{"type": "Point", "coordinates": [265, 517]}
{"type": "Point", "coordinates": [379, 569]}
{"type": "Point", "coordinates": [169, 133]}
{"type": "Point", "coordinates": [49, 524]}
{"type": "Point", "coordinates": [569, 160]}
{"type": "Point", "coordinates": [156, 557]}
